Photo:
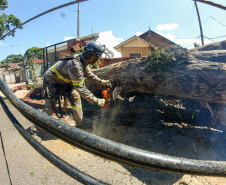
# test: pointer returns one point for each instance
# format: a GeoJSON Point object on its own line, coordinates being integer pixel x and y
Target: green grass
{"type": "Point", "coordinates": [7, 102]}
{"type": "Point", "coordinates": [32, 172]}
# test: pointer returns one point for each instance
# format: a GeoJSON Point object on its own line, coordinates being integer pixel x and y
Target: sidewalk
{"type": "Point", "coordinates": [26, 165]}
{"type": "Point", "coordinates": [20, 93]}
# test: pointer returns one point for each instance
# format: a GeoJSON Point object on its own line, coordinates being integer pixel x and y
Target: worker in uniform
{"type": "Point", "coordinates": [68, 75]}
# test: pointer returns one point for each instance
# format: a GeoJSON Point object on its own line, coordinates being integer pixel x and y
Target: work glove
{"type": "Point", "coordinates": [105, 83]}
{"type": "Point", "coordinates": [101, 102]}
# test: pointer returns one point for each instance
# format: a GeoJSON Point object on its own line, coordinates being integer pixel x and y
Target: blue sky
{"type": "Point", "coordinates": [174, 19]}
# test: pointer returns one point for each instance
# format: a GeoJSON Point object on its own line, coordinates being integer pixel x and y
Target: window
{"type": "Point", "coordinates": [137, 55]}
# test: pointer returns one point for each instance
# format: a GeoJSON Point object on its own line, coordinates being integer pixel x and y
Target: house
{"type": "Point", "coordinates": [12, 73]}
{"type": "Point", "coordinates": [2, 72]}
{"type": "Point", "coordinates": [141, 46]}
{"type": "Point", "coordinates": [13, 66]}
{"type": "Point", "coordinates": [156, 39]}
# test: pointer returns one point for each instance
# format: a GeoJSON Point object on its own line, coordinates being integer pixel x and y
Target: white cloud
{"type": "Point", "coordinates": [168, 36]}
{"type": "Point", "coordinates": [189, 43]}
{"type": "Point", "coordinates": [68, 38]}
{"type": "Point", "coordinates": [47, 44]}
{"type": "Point", "coordinates": [172, 26]}
{"type": "Point", "coordinates": [120, 39]}
{"type": "Point", "coordinates": [139, 33]}
{"type": "Point", "coordinates": [186, 43]}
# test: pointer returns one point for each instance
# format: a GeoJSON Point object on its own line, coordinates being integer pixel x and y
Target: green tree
{"type": "Point", "coordinates": [13, 59]}
{"type": "Point", "coordinates": [2, 64]}
{"type": "Point", "coordinates": [3, 4]}
{"type": "Point", "coordinates": [30, 54]}
{"type": "Point", "coordinates": [7, 21]}
{"type": "Point", "coordinates": [34, 52]}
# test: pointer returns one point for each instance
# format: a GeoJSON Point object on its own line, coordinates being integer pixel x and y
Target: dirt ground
{"type": "Point", "coordinates": [158, 124]}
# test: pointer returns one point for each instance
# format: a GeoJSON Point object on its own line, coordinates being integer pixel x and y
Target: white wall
{"type": "Point", "coordinates": [108, 39]}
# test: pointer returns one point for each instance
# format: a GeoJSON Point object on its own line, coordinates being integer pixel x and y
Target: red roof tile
{"type": "Point", "coordinates": [12, 65]}
{"type": "Point", "coordinates": [37, 61]}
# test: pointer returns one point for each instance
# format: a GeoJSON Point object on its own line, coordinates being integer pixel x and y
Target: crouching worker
{"type": "Point", "coordinates": [69, 74]}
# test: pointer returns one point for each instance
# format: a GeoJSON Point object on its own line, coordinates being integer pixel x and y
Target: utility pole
{"type": "Point", "coordinates": [78, 22]}
{"type": "Point", "coordinates": [25, 69]}
{"type": "Point", "coordinates": [200, 25]}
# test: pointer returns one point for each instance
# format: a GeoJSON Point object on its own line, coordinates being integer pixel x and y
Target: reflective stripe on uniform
{"type": "Point", "coordinates": [60, 76]}
{"type": "Point", "coordinates": [78, 82]}
{"type": "Point", "coordinates": [76, 107]}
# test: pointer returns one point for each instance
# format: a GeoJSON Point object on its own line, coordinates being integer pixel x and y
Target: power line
{"type": "Point", "coordinates": [216, 37]}
{"type": "Point", "coordinates": [211, 17]}
{"type": "Point", "coordinates": [189, 28]}
{"type": "Point", "coordinates": [190, 41]}
{"type": "Point", "coordinates": [39, 15]}
{"type": "Point", "coordinates": [217, 21]}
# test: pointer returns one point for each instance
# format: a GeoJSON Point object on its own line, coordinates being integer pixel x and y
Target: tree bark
{"type": "Point", "coordinates": [213, 55]}
{"type": "Point", "coordinates": [197, 79]}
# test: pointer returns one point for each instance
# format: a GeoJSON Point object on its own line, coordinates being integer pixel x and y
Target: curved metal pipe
{"type": "Point", "coordinates": [115, 151]}
{"type": "Point", "coordinates": [58, 162]}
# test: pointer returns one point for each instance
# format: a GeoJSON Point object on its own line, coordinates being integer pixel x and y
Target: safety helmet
{"type": "Point", "coordinates": [93, 48]}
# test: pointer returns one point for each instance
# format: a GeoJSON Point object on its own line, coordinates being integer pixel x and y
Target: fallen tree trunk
{"type": "Point", "coordinates": [198, 80]}
{"type": "Point", "coordinates": [212, 56]}
{"type": "Point", "coordinates": [221, 45]}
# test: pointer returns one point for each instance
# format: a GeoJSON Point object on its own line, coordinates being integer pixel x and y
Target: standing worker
{"type": "Point", "coordinates": [68, 75]}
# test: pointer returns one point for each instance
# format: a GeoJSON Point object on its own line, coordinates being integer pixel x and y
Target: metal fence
{"type": "Point", "coordinates": [50, 54]}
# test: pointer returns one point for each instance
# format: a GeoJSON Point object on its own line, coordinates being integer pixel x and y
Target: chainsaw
{"type": "Point", "coordinates": [111, 93]}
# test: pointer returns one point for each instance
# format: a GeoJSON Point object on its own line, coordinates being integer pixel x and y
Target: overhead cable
{"type": "Point", "coordinates": [41, 14]}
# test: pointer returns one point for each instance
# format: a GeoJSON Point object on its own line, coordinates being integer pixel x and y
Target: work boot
{"type": "Point", "coordinates": [79, 125]}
